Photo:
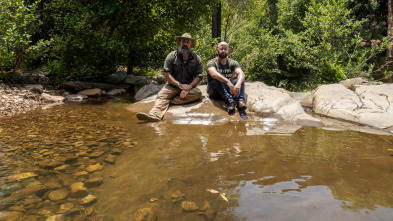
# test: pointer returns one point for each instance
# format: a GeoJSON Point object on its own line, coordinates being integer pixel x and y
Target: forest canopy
{"type": "Point", "coordinates": [293, 44]}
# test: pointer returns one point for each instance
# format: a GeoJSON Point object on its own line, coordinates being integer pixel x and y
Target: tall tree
{"type": "Point", "coordinates": [390, 27]}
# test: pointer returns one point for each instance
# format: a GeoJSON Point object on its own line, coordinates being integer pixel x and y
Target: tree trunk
{"type": "Point", "coordinates": [390, 27]}
{"type": "Point", "coordinates": [216, 22]}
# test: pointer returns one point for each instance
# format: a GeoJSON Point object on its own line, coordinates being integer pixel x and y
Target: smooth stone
{"type": "Point", "coordinates": [82, 174]}
{"type": "Point", "coordinates": [189, 206]}
{"type": "Point", "coordinates": [32, 199]}
{"type": "Point", "coordinates": [88, 200]}
{"type": "Point", "coordinates": [59, 217]}
{"type": "Point", "coordinates": [116, 92]}
{"type": "Point", "coordinates": [145, 214]}
{"type": "Point", "coordinates": [78, 190]}
{"type": "Point", "coordinates": [116, 151]}
{"type": "Point", "coordinates": [58, 194]}
{"type": "Point", "coordinates": [62, 167]}
{"type": "Point", "coordinates": [94, 181]}
{"type": "Point", "coordinates": [53, 184]}
{"type": "Point", "coordinates": [10, 215]}
{"type": "Point", "coordinates": [50, 163]}
{"type": "Point", "coordinates": [110, 159]}
{"type": "Point", "coordinates": [51, 98]}
{"type": "Point", "coordinates": [66, 180]}
{"type": "Point", "coordinates": [65, 207]}
{"type": "Point", "coordinates": [94, 167]}
{"type": "Point", "coordinates": [22, 176]}
{"type": "Point", "coordinates": [95, 92]}
{"type": "Point", "coordinates": [32, 188]}
{"type": "Point", "coordinates": [96, 154]}
{"type": "Point", "coordinates": [76, 97]}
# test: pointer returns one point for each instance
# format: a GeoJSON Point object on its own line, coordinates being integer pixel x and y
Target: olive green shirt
{"type": "Point", "coordinates": [226, 70]}
{"type": "Point", "coordinates": [183, 71]}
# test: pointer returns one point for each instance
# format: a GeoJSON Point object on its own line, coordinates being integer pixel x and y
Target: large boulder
{"type": "Point", "coordinates": [263, 99]}
{"type": "Point", "coordinates": [364, 104]}
{"type": "Point", "coordinates": [147, 91]}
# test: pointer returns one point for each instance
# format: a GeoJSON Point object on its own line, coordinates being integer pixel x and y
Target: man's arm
{"type": "Point", "coordinates": [216, 75]}
{"type": "Point", "coordinates": [240, 79]}
{"type": "Point", "coordinates": [174, 82]}
{"type": "Point", "coordinates": [184, 87]}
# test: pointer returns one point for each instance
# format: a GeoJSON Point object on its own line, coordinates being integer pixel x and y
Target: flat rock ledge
{"type": "Point", "coordinates": [262, 101]}
{"type": "Point", "coordinates": [354, 104]}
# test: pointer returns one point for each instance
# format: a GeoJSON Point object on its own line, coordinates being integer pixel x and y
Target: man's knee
{"type": "Point", "coordinates": [167, 92]}
{"type": "Point", "coordinates": [195, 92]}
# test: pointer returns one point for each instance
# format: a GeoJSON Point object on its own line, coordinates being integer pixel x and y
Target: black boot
{"type": "Point", "coordinates": [231, 108]}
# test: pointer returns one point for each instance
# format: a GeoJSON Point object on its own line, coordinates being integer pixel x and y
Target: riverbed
{"type": "Point", "coordinates": [226, 171]}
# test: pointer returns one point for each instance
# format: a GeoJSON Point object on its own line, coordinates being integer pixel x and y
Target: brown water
{"type": "Point", "coordinates": [313, 174]}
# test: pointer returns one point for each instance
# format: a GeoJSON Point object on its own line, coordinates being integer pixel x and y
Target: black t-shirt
{"type": "Point", "coordinates": [226, 70]}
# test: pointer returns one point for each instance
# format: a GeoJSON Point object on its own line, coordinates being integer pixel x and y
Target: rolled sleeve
{"type": "Point", "coordinates": [168, 64]}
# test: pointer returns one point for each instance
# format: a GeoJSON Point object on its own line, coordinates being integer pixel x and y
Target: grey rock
{"type": "Point", "coordinates": [50, 98]}
{"type": "Point", "coordinates": [116, 78]}
{"type": "Point", "coordinates": [136, 80]}
{"type": "Point", "coordinates": [367, 105]}
{"type": "Point", "coordinates": [147, 91]}
{"type": "Point", "coordinates": [76, 97]}
{"type": "Point", "coordinates": [94, 92]}
{"type": "Point", "coordinates": [116, 92]}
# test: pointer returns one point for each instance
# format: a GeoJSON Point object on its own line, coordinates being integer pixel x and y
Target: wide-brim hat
{"type": "Point", "coordinates": [186, 36]}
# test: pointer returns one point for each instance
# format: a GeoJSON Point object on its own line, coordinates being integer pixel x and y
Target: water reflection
{"type": "Point", "coordinates": [311, 174]}
{"type": "Point", "coordinates": [308, 174]}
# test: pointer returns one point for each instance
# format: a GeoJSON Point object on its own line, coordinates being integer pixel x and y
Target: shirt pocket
{"type": "Point", "coordinates": [191, 66]}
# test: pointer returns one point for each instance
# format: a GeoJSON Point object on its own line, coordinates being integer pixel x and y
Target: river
{"type": "Point", "coordinates": [311, 174]}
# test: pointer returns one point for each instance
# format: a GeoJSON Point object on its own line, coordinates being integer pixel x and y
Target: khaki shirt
{"type": "Point", "coordinates": [186, 72]}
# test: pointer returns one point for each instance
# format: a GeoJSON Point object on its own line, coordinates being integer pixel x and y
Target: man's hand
{"type": "Point", "coordinates": [231, 88]}
{"type": "Point", "coordinates": [183, 93]}
{"type": "Point", "coordinates": [237, 88]}
{"type": "Point", "coordinates": [185, 87]}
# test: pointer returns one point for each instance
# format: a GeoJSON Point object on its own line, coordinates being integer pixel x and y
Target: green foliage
{"type": "Point", "coordinates": [294, 44]}
{"type": "Point", "coordinates": [17, 24]}
{"type": "Point", "coordinates": [313, 42]}
{"type": "Point", "coordinates": [91, 38]}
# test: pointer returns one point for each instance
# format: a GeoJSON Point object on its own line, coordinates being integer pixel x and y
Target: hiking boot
{"type": "Point", "coordinates": [231, 108]}
{"type": "Point", "coordinates": [241, 105]}
{"type": "Point", "coordinates": [147, 117]}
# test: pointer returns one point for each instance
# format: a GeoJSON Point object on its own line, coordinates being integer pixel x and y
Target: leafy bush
{"type": "Point", "coordinates": [314, 42]}
{"type": "Point", "coordinates": [17, 23]}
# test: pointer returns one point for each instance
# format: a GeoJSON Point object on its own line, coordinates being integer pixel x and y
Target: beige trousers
{"type": "Point", "coordinates": [171, 95]}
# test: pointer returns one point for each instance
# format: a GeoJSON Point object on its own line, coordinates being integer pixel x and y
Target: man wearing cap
{"type": "Point", "coordinates": [183, 70]}
{"type": "Point", "coordinates": [220, 80]}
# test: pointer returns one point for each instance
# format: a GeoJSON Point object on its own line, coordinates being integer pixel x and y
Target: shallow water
{"type": "Point", "coordinates": [309, 175]}
{"type": "Point", "coordinates": [312, 174]}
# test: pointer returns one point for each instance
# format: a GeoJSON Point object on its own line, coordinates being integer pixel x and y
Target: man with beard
{"type": "Point", "coordinates": [183, 70]}
{"type": "Point", "coordinates": [220, 83]}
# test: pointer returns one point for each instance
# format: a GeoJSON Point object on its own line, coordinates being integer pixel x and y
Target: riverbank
{"type": "Point", "coordinates": [14, 100]}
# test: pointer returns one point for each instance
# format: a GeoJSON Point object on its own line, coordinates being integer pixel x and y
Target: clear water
{"type": "Point", "coordinates": [312, 174]}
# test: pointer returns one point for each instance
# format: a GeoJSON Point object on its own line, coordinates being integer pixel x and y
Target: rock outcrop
{"type": "Point", "coordinates": [366, 104]}
{"type": "Point", "coordinates": [262, 100]}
